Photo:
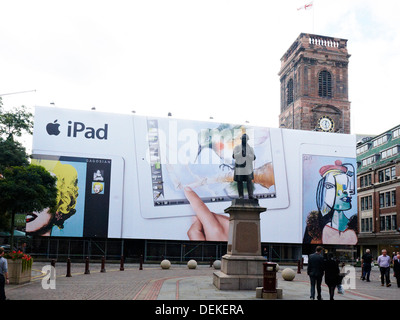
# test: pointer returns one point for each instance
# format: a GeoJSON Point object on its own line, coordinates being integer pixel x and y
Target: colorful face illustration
{"type": "Point", "coordinates": [335, 188]}
{"type": "Point", "coordinates": [42, 222]}
{"type": "Point", "coordinates": [337, 193]}
{"type": "Point", "coordinates": [333, 223]}
{"type": "Point", "coordinates": [343, 197]}
{"type": "Point", "coordinates": [35, 221]}
{"type": "Point", "coordinates": [97, 187]}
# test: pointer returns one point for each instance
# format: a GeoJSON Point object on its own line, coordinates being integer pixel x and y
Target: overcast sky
{"type": "Point", "coordinates": [195, 59]}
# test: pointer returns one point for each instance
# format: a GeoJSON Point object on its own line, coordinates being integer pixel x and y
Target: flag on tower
{"type": "Point", "coordinates": [306, 6]}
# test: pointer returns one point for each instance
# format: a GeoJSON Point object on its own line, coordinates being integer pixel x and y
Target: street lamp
{"type": "Point", "coordinates": [6, 94]}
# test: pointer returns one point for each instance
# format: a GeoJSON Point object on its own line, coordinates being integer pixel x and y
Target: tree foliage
{"type": "Point", "coordinates": [12, 153]}
{"type": "Point", "coordinates": [24, 187]}
{"type": "Point", "coordinates": [15, 122]}
{"type": "Point", "coordinates": [27, 188]}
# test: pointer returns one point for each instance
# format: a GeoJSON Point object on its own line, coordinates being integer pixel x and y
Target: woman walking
{"type": "Point", "coordinates": [331, 274]}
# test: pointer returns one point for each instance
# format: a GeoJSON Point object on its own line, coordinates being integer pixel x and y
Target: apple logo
{"type": "Point", "coordinates": [53, 128]}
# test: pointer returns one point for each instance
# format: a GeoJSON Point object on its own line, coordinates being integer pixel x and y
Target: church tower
{"type": "Point", "coordinates": [314, 85]}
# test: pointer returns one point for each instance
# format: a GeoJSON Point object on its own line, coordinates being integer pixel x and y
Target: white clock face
{"type": "Point", "coordinates": [326, 124]}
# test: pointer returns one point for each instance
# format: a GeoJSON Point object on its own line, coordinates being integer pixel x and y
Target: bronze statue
{"type": "Point", "coordinates": [244, 157]}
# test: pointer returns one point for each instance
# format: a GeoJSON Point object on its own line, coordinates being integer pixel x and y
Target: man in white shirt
{"type": "Point", "coordinates": [384, 266]}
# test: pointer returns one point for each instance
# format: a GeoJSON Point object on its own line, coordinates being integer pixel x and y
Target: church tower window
{"type": "Point", "coordinates": [325, 84]}
{"type": "Point", "coordinates": [289, 88]}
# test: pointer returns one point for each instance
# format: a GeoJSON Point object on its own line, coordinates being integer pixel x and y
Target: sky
{"type": "Point", "coordinates": [194, 58]}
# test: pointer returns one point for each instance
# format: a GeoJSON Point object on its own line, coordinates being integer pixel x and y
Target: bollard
{"type": "Point", "coordinates": [121, 268]}
{"type": "Point", "coordinates": [141, 262]}
{"type": "Point", "coordinates": [87, 271]}
{"type": "Point", "coordinates": [52, 272]}
{"type": "Point", "coordinates": [298, 266]}
{"type": "Point", "coordinates": [211, 262]}
{"type": "Point", "coordinates": [103, 264]}
{"type": "Point", "coordinates": [68, 267]}
{"type": "Point", "coordinates": [269, 281]}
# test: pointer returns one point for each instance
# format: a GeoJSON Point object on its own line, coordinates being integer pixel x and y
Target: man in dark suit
{"type": "Point", "coordinates": [366, 261]}
{"type": "Point", "coordinates": [396, 268]}
{"type": "Point", "coordinates": [315, 271]}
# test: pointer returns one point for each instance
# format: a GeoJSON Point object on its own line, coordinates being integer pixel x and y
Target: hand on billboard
{"type": "Point", "coordinates": [207, 225]}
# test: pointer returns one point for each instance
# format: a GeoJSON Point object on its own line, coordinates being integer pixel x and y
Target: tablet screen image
{"type": "Point", "coordinates": [83, 198]}
{"type": "Point", "coordinates": [199, 155]}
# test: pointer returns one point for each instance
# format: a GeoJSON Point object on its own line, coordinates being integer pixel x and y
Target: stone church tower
{"type": "Point", "coordinates": [314, 85]}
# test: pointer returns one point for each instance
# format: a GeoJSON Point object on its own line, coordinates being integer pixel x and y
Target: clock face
{"type": "Point", "coordinates": [326, 124]}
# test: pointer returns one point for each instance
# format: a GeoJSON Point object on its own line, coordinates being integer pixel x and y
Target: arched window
{"type": "Point", "coordinates": [289, 89]}
{"type": "Point", "coordinates": [325, 84]}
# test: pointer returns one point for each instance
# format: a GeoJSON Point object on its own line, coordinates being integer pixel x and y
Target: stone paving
{"type": "Point", "coordinates": [176, 283]}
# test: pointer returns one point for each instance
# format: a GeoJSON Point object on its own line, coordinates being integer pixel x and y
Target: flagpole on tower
{"type": "Point", "coordinates": [310, 6]}
{"type": "Point", "coordinates": [313, 16]}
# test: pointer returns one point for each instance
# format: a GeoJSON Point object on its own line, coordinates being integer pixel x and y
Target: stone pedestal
{"type": "Point", "coordinates": [242, 266]}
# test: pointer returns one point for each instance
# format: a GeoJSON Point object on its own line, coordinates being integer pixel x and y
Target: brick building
{"type": "Point", "coordinates": [378, 179]}
{"type": "Point", "coordinates": [314, 85]}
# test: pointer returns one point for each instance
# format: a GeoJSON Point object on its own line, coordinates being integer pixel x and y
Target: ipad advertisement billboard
{"type": "Point", "coordinates": [129, 176]}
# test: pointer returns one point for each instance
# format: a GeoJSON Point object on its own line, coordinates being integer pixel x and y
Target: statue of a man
{"type": "Point", "coordinates": [244, 157]}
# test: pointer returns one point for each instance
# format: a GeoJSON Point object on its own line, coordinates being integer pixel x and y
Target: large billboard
{"type": "Point", "coordinates": [129, 176]}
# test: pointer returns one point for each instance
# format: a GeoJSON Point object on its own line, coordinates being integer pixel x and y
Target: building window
{"type": "Point", "coordinates": [387, 174]}
{"type": "Point", "coordinates": [325, 84]}
{"type": "Point", "coordinates": [393, 197]}
{"type": "Point", "coordinates": [289, 89]}
{"type": "Point", "coordinates": [366, 180]}
{"type": "Point", "coordinates": [387, 199]}
{"type": "Point", "coordinates": [366, 225]}
{"type": "Point", "coordinates": [363, 148]}
{"type": "Point", "coordinates": [369, 160]}
{"type": "Point", "coordinates": [396, 133]}
{"type": "Point", "coordinates": [381, 140]}
{"type": "Point", "coordinates": [388, 222]}
{"type": "Point", "coordinates": [390, 152]}
{"type": "Point", "coordinates": [366, 203]}
{"type": "Point", "coordinates": [381, 176]}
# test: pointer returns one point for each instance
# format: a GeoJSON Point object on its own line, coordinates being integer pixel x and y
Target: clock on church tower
{"type": "Point", "coordinates": [314, 85]}
{"type": "Point", "coordinates": [326, 124]}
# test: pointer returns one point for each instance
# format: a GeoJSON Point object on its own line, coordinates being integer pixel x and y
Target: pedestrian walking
{"type": "Point", "coordinates": [265, 253]}
{"type": "Point", "coordinates": [396, 269]}
{"type": "Point", "coordinates": [384, 267]}
{"type": "Point", "coordinates": [315, 271]}
{"type": "Point", "coordinates": [366, 263]}
{"type": "Point", "coordinates": [3, 274]}
{"type": "Point", "coordinates": [331, 268]}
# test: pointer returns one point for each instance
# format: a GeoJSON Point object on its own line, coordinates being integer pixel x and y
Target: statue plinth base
{"type": "Point", "coordinates": [242, 266]}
